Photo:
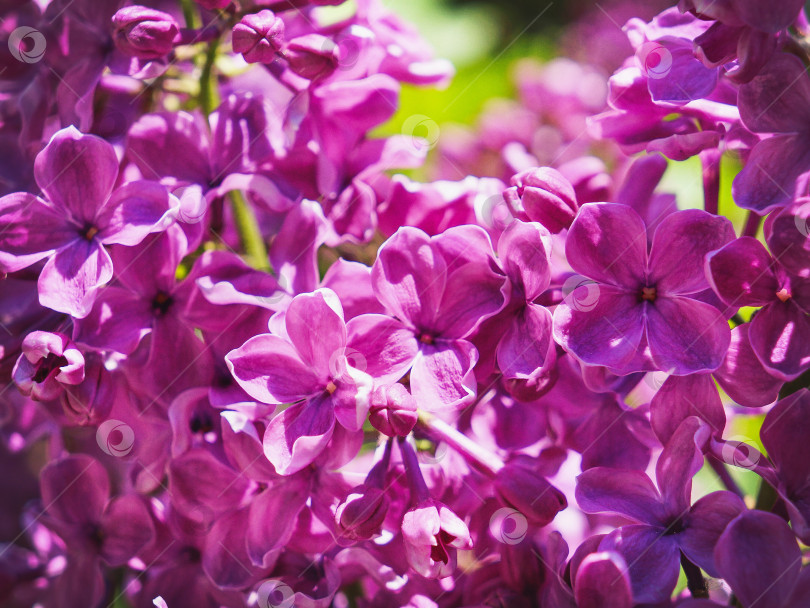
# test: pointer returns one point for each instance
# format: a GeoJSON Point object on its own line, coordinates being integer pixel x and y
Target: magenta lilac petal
{"type": "Point", "coordinates": [686, 336]}
{"type": "Point", "coordinates": [756, 549]}
{"type": "Point", "coordinates": [681, 459]}
{"type": "Point", "coordinates": [742, 273]}
{"type": "Point", "coordinates": [524, 250]}
{"type": "Point", "coordinates": [387, 346]}
{"type": "Point", "coordinates": [618, 260]}
{"type": "Point", "coordinates": [71, 278]}
{"type": "Point", "coordinates": [442, 375]}
{"type": "Point", "coordinates": [606, 330]}
{"type": "Point", "coordinates": [780, 335]}
{"type": "Point", "coordinates": [772, 173]}
{"type": "Point", "coordinates": [679, 247]}
{"type": "Point", "coordinates": [31, 230]}
{"type": "Point", "coordinates": [768, 106]}
{"type": "Point", "coordinates": [409, 277]}
{"type": "Point", "coordinates": [602, 582]}
{"type": "Point", "coordinates": [171, 146]}
{"type": "Point", "coordinates": [682, 396]}
{"type": "Point", "coordinates": [742, 375]}
{"type": "Point", "coordinates": [75, 489]}
{"type": "Point", "coordinates": [270, 370]}
{"type": "Point", "coordinates": [297, 435]}
{"type": "Point", "coordinates": [77, 173]}
{"type": "Point", "coordinates": [134, 211]}
{"type": "Point", "coordinates": [320, 351]}
{"type": "Point", "coordinates": [126, 528]}
{"type": "Point", "coordinates": [786, 235]}
{"type": "Point", "coordinates": [527, 345]}
{"type": "Point", "coordinates": [652, 560]}
{"type": "Point", "coordinates": [629, 493]}
{"type": "Point", "coordinates": [703, 525]}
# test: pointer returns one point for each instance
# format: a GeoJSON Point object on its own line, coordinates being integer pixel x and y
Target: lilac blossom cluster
{"type": "Point", "coordinates": [247, 363]}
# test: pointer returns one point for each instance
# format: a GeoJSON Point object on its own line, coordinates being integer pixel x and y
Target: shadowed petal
{"type": "Point", "coordinates": [30, 230]}
{"type": "Point", "coordinates": [741, 273]}
{"type": "Point", "coordinates": [759, 557]}
{"type": "Point", "coordinates": [629, 493]}
{"type": "Point", "coordinates": [296, 436]}
{"type": "Point", "coordinates": [70, 280]}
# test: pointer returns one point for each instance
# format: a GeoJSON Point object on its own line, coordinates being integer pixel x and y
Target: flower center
{"type": "Point", "coordinates": [89, 232]}
{"type": "Point", "coordinates": [783, 294]}
{"type": "Point", "coordinates": [331, 388]}
{"type": "Point", "coordinates": [47, 365]}
{"type": "Point", "coordinates": [648, 294]}
{"type": "Point", "coordinates": [161, 303]}
{"type": "Point", "coordinates": [426, 338]}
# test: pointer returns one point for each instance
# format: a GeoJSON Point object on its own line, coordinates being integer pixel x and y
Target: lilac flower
{"type": "Point", "coordinates": [774, 102]}
{"type": "Point", "coordinates": [432, 533]}
{"type": "Point", "coordinates": [83, 213]}
{"type": "Point", "coordinates": [307, 368]}
{"type": "Point", "coordinates": [743, 273]}
{"type": "Point", "coordinates": [646, 316]}
{"type": "Point", "coordinates": [666, 523]}
{"type": "Point", "coordinates": [144, 33]}
{"type": "Point", "coordinates": [76, 492]}
{"type": "Point", "coordinates": [437, 290]}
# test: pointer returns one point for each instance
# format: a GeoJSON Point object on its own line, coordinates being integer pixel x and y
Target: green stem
{"type": "Point", "coordinates": [209, 92]}
{"type": "Point", "coordinates": [249, 234]}
{"type": "Point", "coordinates": [190, 14]}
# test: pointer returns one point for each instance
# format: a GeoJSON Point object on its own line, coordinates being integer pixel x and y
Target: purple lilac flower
{"type": "Point", "coordinates": [645, 316]}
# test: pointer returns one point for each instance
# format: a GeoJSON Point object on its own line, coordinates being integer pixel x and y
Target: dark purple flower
{"type": "Point", "coordinates": [667, 524]}
{"type": "Point", "coordinates": [641, 313]}
{"type": "Point", "coordinates": [775, 102]}
{"type": "Point", "coordinates": [48, 363]}
{"type": "Point", "coordinates": [743, 273]}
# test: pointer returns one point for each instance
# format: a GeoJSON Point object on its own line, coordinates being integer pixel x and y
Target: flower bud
{"type": "Point", "coordinates": [144, 32]}
{"type": "Point", "coordinates": [528, 492]}
{"type": "Point", "coordinates": [311, 56]}
{"type": "Point", "coordinates": [392, 410]}
{"type": "Point", "coordinates": [361, 514]}
{"type": "Point", "coordinates": [48, 362]}
{"type": "Point", "coordinates": [432, 533]}
{"type": "Point", "coordinates": [259, 37]}
{"type": "Point", "coordinates": [545, 196]}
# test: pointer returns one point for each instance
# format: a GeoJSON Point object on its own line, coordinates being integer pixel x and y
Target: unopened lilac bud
{"type": "Point", "coordinates": [393, 410]}
{"type": "Point", "coordinates": [544, 196]}
{"type": "Point", "coordinates": [144, 32]}
{"type": "Point", "coordinates": [259, 37]}
{"type": "Point", "coordinates": [312, 56]}
{"type": "Point", "coordinates": [361, 514]}
{"type": "Point", "coordinates": [48, 362]}
{"type": "Point", "coordinates": [528, 492]}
